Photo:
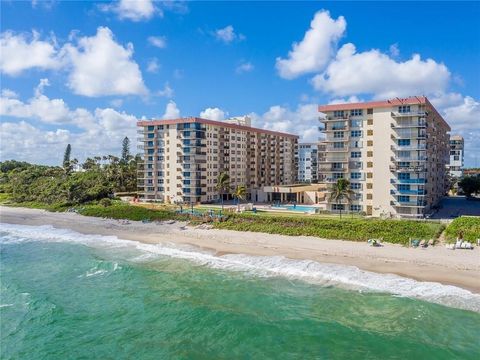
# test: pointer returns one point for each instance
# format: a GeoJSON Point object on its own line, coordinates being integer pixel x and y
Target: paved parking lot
{"type": "Point", "coordinates": [456, 206]}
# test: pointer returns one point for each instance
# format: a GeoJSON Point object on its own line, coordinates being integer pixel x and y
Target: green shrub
{"type": "Point", "coordinates": [129, 212]}
{"type": "Point", "coordinates": [469, 225]}
{"type": "Point", "coordinates": [105, 202]}
{"type": "Point", "coordinates": [394, 231]}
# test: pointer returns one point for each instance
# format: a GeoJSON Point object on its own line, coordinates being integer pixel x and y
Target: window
{"type": "Point", "coordinates": [338, 134]}
{"type": "Point", "coordinates": [356, 112]}
{"type": "Point", "coordinates": [369, 164]}
{"type": "Point", "coordinates": [356, 133]}
{"type": "Point", "coordinates": [404, 198]}
{"type": "Point", "coordinates": [355, 175]}
{"type": "Point", "coordinates": [369, 185]}
{"type": "Point", "coordinates": [354, 207]}
{"type": "Point", "coordinates": [356, 154]}
{"type": "Point", "coordinates": [404, 142]}
{"type": "Point", "coordinates": [404, 109]}
{"type": "Point", "coordinates": [369, 153]}
{"type": "Point", "coordinates": [369, 111]}
{"type": "Point", "coordinates": [404, 176]}
{"type": "Point", "coordinates": [370, 143]}
{"type": "Point", "coordinates": [369, 196]}
{"type": "Point", "coordinates": [151, 135]}
{"type": "Point", "coordinates": [355, 186]}
{"type": "Point", "coordinates": [356, 123]}
{"type": "Point", "coordinates": [369, 175]}
{"type": "Point", "coordinates": [338, 114]}
{"type": "Point", "coordinates": [338, 207]}
{"type": "Point", "coordinates": [370, 122]}
{"type": "Point", "coordinates": [370, 132]}
{"type": "Point", "coordinates": [338, 145]}
{"type": "Point", "coordinates": [337, 176]}
{"type": "Point", "coordinates": [403, 187]}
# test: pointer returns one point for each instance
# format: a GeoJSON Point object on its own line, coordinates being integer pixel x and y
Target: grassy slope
{"type": "Point", "coordinates": [469, 225]}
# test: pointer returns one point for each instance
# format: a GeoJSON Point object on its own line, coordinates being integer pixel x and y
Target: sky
{"type": "Point", "coordinates": [84, 72]}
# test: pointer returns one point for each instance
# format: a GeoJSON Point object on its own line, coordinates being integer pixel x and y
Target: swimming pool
{"type": "Point", "coordinates": [300, 208]}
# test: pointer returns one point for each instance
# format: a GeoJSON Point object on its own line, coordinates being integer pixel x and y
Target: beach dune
{"type": "Point", "coordinates": [437, 264]}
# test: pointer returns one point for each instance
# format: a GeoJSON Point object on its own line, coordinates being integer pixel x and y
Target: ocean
{"type": "Point", "coordinates": [64, 295]}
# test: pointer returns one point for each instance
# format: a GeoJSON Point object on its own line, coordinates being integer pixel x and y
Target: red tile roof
{"type": "Point", "coordinates": [214, 123]}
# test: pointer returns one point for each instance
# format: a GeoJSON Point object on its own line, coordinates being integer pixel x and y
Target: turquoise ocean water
{"type": "Point", "coordinates": [70, 296]}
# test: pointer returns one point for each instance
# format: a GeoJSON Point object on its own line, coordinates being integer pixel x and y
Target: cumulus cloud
{"type": "Point", "coordinates": [134, 10]}
{"type": "Point", "coordinates": [244, 67]}
{"type": "Point", "coordinates": [171, 111]}
{"type": "Point", "coordinates": [375, 73]}
{"type": "Point", "coordinates": [316, 49]}
{"type": "Point", "coordinates": [22, 52]}
{"type": "Point", "coordinates": [167, 91]}
{"type": "Point", "coordinates": [228, 35]}
{"type": "Point", "coordinates": [213, 114]}
{"type": "Point", "coordinates": [153, 66]}
{"type": "Point", "coordinates": [158, 41]}
{"type": "Point", "coordinates": [27, 132]}
{"type": "Point", "coordinates": [96, 63]}
{"type": "Point", "coordinates": [302, 121]}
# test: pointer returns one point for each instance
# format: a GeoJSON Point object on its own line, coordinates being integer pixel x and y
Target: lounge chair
{"type": "Point", "coordinates": [458, 244]}
{"type": "Point", "coordinates": [450, 246]}
{"type": "Point", "coordinates": [415, 242]}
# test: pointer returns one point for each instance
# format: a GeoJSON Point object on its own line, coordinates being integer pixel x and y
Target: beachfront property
{"type": "Point", "coordinates": [393, 152]}
{"type": "Point", "coordinates": [455, 166]}
{"type": "Point", "coordinates": [308, 162]}
{"type": "Point", "coordinates": [183, 158]}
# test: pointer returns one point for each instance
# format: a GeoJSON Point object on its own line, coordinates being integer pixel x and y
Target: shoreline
{"type": "Point", "coordinates": [460, 268]}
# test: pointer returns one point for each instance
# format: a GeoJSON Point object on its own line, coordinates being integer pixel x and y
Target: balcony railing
{"type": "Point", "coordinates": [410, 124]}
{"type": "Point", "coordinates": [397, 147]}
{"type": "Point", "coordinates": [408, 192]}
{"type": "Point", "coordinates": [409, 203]}
{"type": "Point", "coordinates": [411, 113]}
{"type": "Point", "coordinates": [408, 181]}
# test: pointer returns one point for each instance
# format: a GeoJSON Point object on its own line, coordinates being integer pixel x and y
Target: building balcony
{"type": "Point", "coordinates": [411, 136]}
{"type": "Point", "coordinates": [414, 147]}
{"type": "Point", "coordinates": [396, 114]}
{"type": "Point", "coordinates": [413, 169]}
{"type": "Point", "coordinates": [408, 159]}
{"type": "Point", "coordinates": [408, 181]}
{"type": "Point", "coordinates": [409, 192]}
{"type": "Point", "coordinates": [334, 149]}
{"type": "Point", "coordinates": [333, 160]}
{"type": "Point", "coordinates": [409, 124]}
{"type": "Point", "coordinates": [408, 203]}
{"type": "Point", "coordinates": [355, 165]}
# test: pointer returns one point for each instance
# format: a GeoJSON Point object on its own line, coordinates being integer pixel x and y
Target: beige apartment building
{"type": "Point", "coordinates": [183, 158]}
{"type": "Point", "coordinates": [393, 152]}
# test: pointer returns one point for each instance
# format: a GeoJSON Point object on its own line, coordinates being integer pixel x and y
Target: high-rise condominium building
{"type": "Point", "coordinates": [308, 162]}
{"type": "Point", "coordinates": [393, 152]}
{"type": "Point", "coordinates": [183, 158]}
{"type": "Point", "coordinates": [455, 167]}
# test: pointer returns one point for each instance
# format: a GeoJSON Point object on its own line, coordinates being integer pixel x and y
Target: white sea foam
{"type": "Point", "coordinates": [264, 266]}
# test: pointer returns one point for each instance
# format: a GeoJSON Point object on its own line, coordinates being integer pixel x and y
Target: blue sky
{"type": "Point", "coordinates": [83, 72]}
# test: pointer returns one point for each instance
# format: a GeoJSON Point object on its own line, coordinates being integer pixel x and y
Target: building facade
{"type": "Point", "coordinates": [393, 152]}
{"type": "Point", "coordinates": [183, 158]}
{"type": "Point", "coordinates": [308, 162]}
{"type": "Point", "coordinates": [455, 166]}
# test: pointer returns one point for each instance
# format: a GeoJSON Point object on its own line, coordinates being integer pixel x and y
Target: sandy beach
{"type": "Point", "coordinates": [437, 264]}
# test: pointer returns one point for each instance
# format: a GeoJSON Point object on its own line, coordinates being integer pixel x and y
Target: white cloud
{"type": "Point", "coordinates": [21, 52]}
{"type": "Point", "coordinates": [303, 121]}
{"type": "Point", "coordinates": [135, 10]}
{"type": "Point", "coordinates": [372, 72]}
{"type": "Point", "coordinates": [228, 35]}
{"type": "Point", "coordinates": [244, 68]}
{"type": "Point", "coordinates": [116, 103]}
{"type": "Point", "coordinates": [394, 50]}
{"type": "Point", "coordinates": [158, 41]}
{"type": "Point", "coordinates": [316, 49]}
{"type": "Point", "coordinates": [102, 130]}
{"type": "Point", "coordinates": [351, 99]}
{"type": "Point", "coordinates": [213, 114]}
{"type": "Point", "coordinates": [171, 111]}
{"type": "Point", "coordinates": [101, 66]}
{"type": "Point", "coordinates": [167, 91]}
{"type": "Point", "coordinates": [153, 66]}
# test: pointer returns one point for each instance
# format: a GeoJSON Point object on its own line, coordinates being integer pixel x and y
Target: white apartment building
{"type": "Point", "coordinates": [308, 162]}
{"type": "Point", "coordinates": [455, 166]}
{"type": "Point", "coordinates": [393, 152]}
{"type": "Point", "coordinates": [183, 158]}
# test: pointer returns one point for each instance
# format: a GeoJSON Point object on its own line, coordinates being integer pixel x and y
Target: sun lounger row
{"type": "Point", "coordinates": [460, 244]}
{"type": "Point", "coordinates": [421, 243]}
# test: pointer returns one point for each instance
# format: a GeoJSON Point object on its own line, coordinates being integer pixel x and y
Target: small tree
{"type": "Point", "coordinates": [67, 165]}
{"type": "Point", "coordinates": [470, 185]}
{"type": "Point", "coordinates": [223, 184]}
{"type": "Point", "coordinates": [125, 150]}
{"type": "Point", "coordinates": [341, 190]}
{"type": "Point", "coordinates": [239, 193]}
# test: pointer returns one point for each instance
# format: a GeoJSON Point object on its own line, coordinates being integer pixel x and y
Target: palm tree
{"type": "Point", "coordinates": [341, 190]}
{"type": "Point", "coordinates": [223, 184]}
{"type": "Point", "coordinates": [239, 193]}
